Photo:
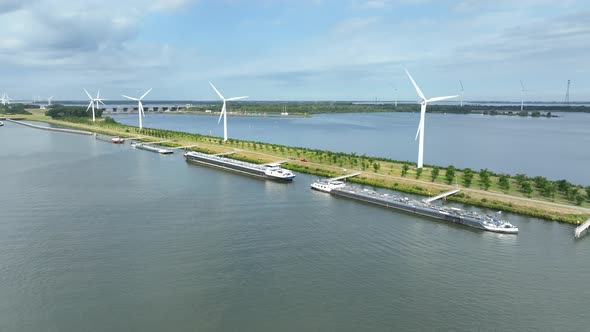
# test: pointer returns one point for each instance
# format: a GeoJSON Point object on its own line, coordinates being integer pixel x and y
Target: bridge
{"type": "Point", "coordinates": [345, 176]}
{"type": "Point", "coordinates": [443, 195]}
{"type": "Point", "coordinates": [184, 147]}
{"type": "Point", "coordinates": [160, 142]}
{"type": "Point", "coordinates": [582, 229]}
{"type": "Point", "coordinates": [225, 153]}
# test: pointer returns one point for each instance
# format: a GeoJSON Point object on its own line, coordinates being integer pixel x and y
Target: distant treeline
{"type": "Point", "coordinates": [14, 109]}
{"type": "Point", "coordinates": [61, 111]}
{"type": "Point", "coordinates": [341, 107]}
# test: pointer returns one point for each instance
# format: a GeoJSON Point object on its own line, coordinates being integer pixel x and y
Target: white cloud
{"type": "Point", "coordinates": [98, 39]}
{"type": "Point", "coordinates": [62, 32]}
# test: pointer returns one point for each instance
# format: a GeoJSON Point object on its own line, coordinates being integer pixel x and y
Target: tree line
{"type": "Point", "coordinates": [349, 107]}
{"type": "Point", "coordinates": [60, 111]}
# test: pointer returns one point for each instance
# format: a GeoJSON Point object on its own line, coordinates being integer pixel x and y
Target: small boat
{"type": "Point", "coordinates": [118, 140]}
{"type": "Point", "coordinates": [1, 123]}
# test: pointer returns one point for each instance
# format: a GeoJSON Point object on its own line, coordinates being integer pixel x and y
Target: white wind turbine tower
{"type": "Point", "coordinates": [224, 110]}
{"type": "Point", "coordinates": [420, 133]}
{"type": "Point", "coordinates": [522, 96]}
{"type": "Point", "coordinates": [140, 111]}
{"type": "Point", "coordinates": [49, 101]}
{"type": "Point", "coordinates": [395, 95]}
{"type": "Point", "coordinates": [461, 83]}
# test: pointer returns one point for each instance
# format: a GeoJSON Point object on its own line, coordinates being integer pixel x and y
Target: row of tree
{"type": "Point", "coordinates": [466, 176]}
{"type": "Point", "coordinates": [60, 111]}
{"type": "Point", "coordinates": [14, 109]}
{"type": "Point", "coordinates": [348, 107]}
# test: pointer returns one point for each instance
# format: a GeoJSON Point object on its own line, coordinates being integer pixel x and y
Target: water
{"type": "Point", "coordinates": [534, 146]}
{"type": "Point", "coordinates": [98, 236]}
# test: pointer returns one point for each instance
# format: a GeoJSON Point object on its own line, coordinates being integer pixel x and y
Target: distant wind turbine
{"type": "Point", "coordinates": [522, 96]}
{"type": "Point", "coordinates": [224, 110]}
{"type": "Point", "coordinates": [140, 111]}
{"type": "Point", "coordinates": [91, 103]}
{"type": "Point", "coordinates": [424, 101]}
{"type": "Point", "coordinates": [461, 83]}
{"type": "Point", "coordinates": [395, 96]}
{"type": "Point", "coordinates": [5, 99]}
{"type": "Point", "coordinates": [98, 100]}
{"type": "Point", "coordinates": [49, 101]}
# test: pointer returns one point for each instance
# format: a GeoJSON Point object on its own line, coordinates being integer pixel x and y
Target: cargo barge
{"type": "Point", "coordinates": [274, 172]}
{"type": "Point", "coordinates": [151, 148]}
{"type": "Point", "coordinates": [448, 214]}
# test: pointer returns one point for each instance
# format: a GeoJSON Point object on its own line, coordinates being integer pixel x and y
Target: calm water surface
{"type": "Point", "coordinates": [102, 237]}
{"type": "Point", "coordinates": [534, 146]}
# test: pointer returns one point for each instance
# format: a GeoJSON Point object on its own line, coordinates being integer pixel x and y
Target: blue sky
{"type": "Point", "coordinates": [295, 50]}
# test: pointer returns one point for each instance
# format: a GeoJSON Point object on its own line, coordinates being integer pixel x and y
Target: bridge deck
{"type": "Point", "coordinates": [443, 195]}
{"type": "Point", "coordinates": [344, 176]}
{"type": "Point", "coordinates": [225, 153]}
{"type": "Point", "coordinates": [582, 229]}
{"type": "Point", "coordinates": [184, 147]}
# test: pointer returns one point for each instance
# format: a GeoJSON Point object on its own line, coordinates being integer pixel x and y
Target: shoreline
{"type": "Point", "coordinates": [381, 176]}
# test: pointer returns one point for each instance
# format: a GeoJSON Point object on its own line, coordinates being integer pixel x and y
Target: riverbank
{"type": "Point", "coordinates": [396, 175]}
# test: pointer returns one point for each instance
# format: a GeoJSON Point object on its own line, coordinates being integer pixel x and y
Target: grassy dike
{"type": "Point", "coordinates": [377, 172]}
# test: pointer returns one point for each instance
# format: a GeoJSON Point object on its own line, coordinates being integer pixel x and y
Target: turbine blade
{"type": "Point", "coordinates": [440, 98]}
{"type": "Point", "coordinates": [100, 101]}
{"type": "Point", "coordinates": [89, 96]}
{"type": "Point", "coordinates": [461, 85]}
{"type": "Point", "coordinates": [87, 108]}
{"type": "Point", "coordinates": [145, 94]}
{"type": "Point", "coordinates": [219, 94]}
{"type": "Point", "coordinates": [419, 128]}
{"type": "Point", "coordinates": [130, 97]}
{"type": "Point", "coordinates": [98, 94]}
{"type": "Point", "coordinates": [415, 85]}
{"type": "Point", "coordinates": [236, 98]}
{"type": "Point", "coordinates": [522, 85]}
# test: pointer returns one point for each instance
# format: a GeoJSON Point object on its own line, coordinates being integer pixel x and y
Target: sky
{"type": "Point", "coordinates": [295, 49]}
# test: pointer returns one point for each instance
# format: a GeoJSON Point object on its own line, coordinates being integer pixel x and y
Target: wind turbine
{"type": "Point", "coordinates": [522, 96]}
{"type": "Point", "coordinates": [224, 110]}
{"type": "Point", "coordinates": [91, 104]}
{"type": "Point", "coordinates": [49, 101]}
{"type": "Point", "coordinates": [395, 95]}
{"type": "Point", "coordinates": [140, 111]}
{"type": "Point", "coordinates": [6, 99]}
{"type": "Point", "coordinates": [461, 83]}
{"type": "Point", "coordinates": [98, 99]}
{"type": "Point", "coordinates": [420, 133]}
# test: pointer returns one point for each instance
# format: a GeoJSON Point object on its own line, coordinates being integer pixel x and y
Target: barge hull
{"type": "Point", "coordinates": [407, 208]}
{"type": "Point", "coordinates": [227, 165]}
